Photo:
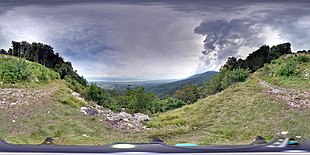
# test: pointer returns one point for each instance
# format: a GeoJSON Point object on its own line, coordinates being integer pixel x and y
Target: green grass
{"type": "Point", "coordinates": [20, 73]}
{"type": "Point", "coordinates": [64, 96]}
{"type": "Point", "coordinates": [295, 72]}
{"type": "Point", "coordinates": [234, 116]}
{"type": "Point", "coordinates": [48, 117]}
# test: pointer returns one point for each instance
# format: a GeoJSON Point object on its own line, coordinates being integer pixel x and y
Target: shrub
{"type": "Point", "coordinates": [98, 95]}
{"type": "Point", "coordinates": [303, 58]}
{"type": "Point", "coordinates": [14, 71]}
{"type": "Point", "coordinates": [225, 79]}
{"type": "Point", "coordinates": [75, 85]}
{"type": "Point", "coordinates": [172, 103]}
{"type": "Point", "coordinates": [288, 69]}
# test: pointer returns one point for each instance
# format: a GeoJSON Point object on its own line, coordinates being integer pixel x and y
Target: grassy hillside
{"type": "Point", "coordinates": [291, 71]}
{"type": "Point", "coordinates": [36, 105]}
{"type": "Point", "coordinates": [170, 88]}
{"type": "Point", "coordinates": [19, 71]}
{"type": "Point", "coordinates": [45, 114]}
{"type": "Point", "coordinates": [244, 110]}
{"type": "Point", "coordinates": [259, 106]}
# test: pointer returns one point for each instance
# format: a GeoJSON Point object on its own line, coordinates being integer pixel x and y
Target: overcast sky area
{"type": "Point", "coordinates": [154, 39]}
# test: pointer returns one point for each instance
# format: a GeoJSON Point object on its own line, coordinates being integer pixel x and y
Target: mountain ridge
{"type": "Point", "coordinates": [169, 89]}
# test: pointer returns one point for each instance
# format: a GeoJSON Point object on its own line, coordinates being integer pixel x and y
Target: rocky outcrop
{"type": "Point", "coordinates": [121, 120]}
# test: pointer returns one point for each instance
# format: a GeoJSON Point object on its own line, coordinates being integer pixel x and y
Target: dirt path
{"type": "Point", "coordinates": [294, 98]}
{"type": "Point", "coordinates": [18, 104]}
{"type": "Point", "coordinates": [16, 97]}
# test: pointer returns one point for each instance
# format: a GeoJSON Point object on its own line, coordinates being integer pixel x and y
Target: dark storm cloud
{"type": "Point", "coordinates": [229, 35]}
{"type": "Point", "coordinates": [236, 35]}
{"type": "Point", "coordinates": [154, 37]}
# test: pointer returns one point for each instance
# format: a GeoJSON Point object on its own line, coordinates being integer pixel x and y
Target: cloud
{"type": "Point", "coordinates": [154, 39]}
{"type": "Point", "coordinates": [239, 34]}
{"type": "Point", "coordinates": [111, 39]}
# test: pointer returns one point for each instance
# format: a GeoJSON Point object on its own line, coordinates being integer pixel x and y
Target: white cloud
{"type": "Point", "coordinates": [110, 39]}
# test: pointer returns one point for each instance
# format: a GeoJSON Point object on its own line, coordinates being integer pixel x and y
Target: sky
{"type": "Point", "coordinates": [154, 39]}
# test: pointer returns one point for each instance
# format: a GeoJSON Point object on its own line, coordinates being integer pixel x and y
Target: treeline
{"type": "Point", "coordinates": [258, 58]}
{"type": "Point", "coordinates": [134, 100]}
{"type": "Point", "coordinates": [237, 70]}
{"type": "Point", "coordinates": [44, 55]}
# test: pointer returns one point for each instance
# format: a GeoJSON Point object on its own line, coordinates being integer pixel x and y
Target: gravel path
{"type": "Point", "coordinates": [294, 98]}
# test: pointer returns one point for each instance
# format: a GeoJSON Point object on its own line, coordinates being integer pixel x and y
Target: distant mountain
{"type": "Point", "coordinates": [170, 88]}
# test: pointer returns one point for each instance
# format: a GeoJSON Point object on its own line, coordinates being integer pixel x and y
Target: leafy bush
{"type": "Point", "coordinates": [225, 79]}
{"type": "Point", "coordinates": [41, 73]}
{"type": "Point", "coordinates": [138, 100]}
{"type": "Point", "coordinates": [98, 94]}
{"type": "Point", "coordinates": [303, 58]}
{"type": "Point", "coordinates": [188, 94]}
{"type": "Point", "coordinates": [233, 76]}
{"type": "Point", "coordinates": [14, 71]}
{"type": "Point", "coordinates": [75, 85]}
{"type": "Point", "coordinates": [288, 69]}
{"type": "Point", "coordinates": [171, 103]}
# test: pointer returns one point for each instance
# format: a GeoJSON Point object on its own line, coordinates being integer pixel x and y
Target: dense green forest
{"type": "Point", "coordinates": [138, 99]}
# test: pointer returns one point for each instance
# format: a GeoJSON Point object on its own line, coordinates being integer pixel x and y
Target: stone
{"type": "Point", "coordinates": [141, 117]}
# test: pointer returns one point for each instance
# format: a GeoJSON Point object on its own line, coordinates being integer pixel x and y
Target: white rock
{"type": "Point", "coordinates": [85, 135]}
{"type": "Point", "coordinates": [13, 103]}
{"type": "Point", "coordinates": [141, 117]}
{"type": "Point", "coordinates": [284, 132]}
{"type": "Point", "coordinates": [83, 110]}
{"type": "Point", "coordinates": [13, 121]}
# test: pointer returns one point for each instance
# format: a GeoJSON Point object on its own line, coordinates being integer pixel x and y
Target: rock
{"type": "Point", "coordinates": [85, 135]}
{"type": "Point", "coordinates": [89, 111]}
{"type": "Point", "coordinates": [92, 112]}
{"type": "Point", "coordinates": [141, 117]}
{"type": "Point", "coordinates": [122, 115]}
{"type": "Point", "coordinates": [13, 103]}
{"type": "Point", "coordinates": [13, 121]}
{"type": "Point", "coordinates": [120, 121]}
{"type": "Point", "coordinates": [83, 110]}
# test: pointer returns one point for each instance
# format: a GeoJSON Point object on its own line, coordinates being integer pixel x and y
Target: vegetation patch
{"type": "Point", "coordinates": [64, 96]}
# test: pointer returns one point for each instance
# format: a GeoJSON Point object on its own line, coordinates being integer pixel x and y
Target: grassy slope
{"type": "Point", "coordinates": [48, 117]}
{"type": "Point", "coordinates": [298, 65]}
{"type": "Point", "coordinates": [237, 114]}
{"type": "Point", "coordinates": [233, 116]}
{"type": "Point", "coordinates": [50, 110]}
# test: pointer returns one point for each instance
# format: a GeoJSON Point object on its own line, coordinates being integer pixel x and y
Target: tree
{"type": "Point", "coordinates": [188, 94]}
{"type": "Point", "coordinates": [2, 51]}
{"type": "Point", "coordinates": [230, 64]}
